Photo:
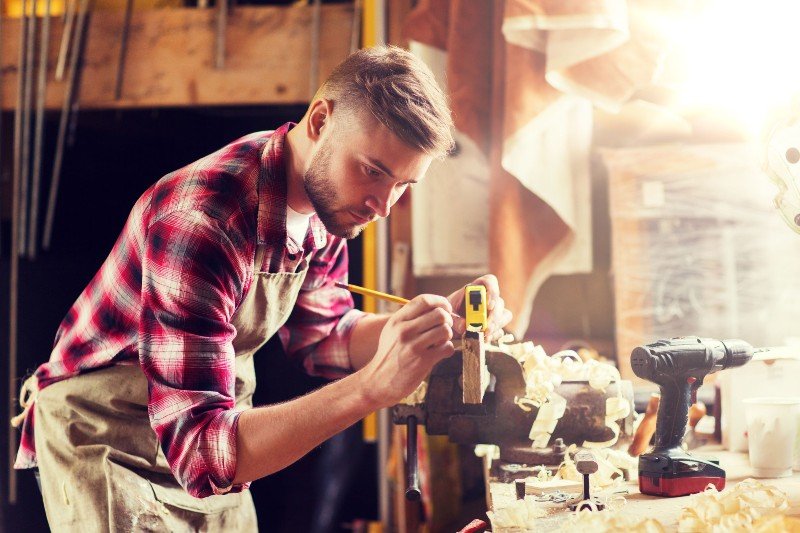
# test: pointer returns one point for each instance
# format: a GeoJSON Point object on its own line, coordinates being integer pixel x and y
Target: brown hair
{"type": "Point", "coordinates": [399, 90]}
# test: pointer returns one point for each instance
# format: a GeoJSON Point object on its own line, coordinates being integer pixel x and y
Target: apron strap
{"type": "Point", "coordinates": [258, 260]}
{"type": "Point", "coordinates": [27, 397]}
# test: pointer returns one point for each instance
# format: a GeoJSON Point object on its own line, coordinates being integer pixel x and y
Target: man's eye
{"type": "Point", "coordinates": [371, 171]}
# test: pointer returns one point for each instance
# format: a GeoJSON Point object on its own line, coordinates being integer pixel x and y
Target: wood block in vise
{"type": "Point", "coordinates": [475, 376]}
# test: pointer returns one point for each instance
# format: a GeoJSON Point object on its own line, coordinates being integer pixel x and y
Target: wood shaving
{"type": "Point", "coordinates": [543, 374]}
{"type": "Point", "coordinates": [507, 338]}
{"type": "Point", "coordinates": [617, 408]}
{"type": "Point", "coordinates": [609, 521]}
{"type": "Point", "coordinates": [492, 451]}
{"type": "Point", "coordinates": [517, 516]}
{"type": "Point", "coordinates": [622, 460]}
{"type": "Point", "coordinates": [738, 510]}
{"type": "Point", "coordinates": [777, 524]}
{"type": "Point", "coordinates": [418, 396]}
{"type": "Point", "coordinates": [546, 420]}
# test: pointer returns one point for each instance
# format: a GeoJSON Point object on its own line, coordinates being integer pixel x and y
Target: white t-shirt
{"type": "Point", "coordinates": [297, 225]}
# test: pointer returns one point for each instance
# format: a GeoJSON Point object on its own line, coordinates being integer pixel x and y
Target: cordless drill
{"type": "Point", "coordinates": [678, 366]}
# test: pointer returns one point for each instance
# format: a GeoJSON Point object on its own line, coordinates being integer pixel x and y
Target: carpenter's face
{"type": "Point", "coordinates": [358, 172]}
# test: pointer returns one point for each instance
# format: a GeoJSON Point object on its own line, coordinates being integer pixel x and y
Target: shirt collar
{"type": "Point", "coordinates": [272, 200]}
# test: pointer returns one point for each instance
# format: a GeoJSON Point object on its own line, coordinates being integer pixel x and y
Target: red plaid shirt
{"type": "Point", "coordinates": [165, 296]}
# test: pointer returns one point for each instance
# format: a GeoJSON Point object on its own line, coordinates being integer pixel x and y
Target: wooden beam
{"type": "Point", "coordinates": [170, 60]}
{"type": "Point", "coordinates": [474, 374]}
{"type": "Point", "coordinates": [398, 11]}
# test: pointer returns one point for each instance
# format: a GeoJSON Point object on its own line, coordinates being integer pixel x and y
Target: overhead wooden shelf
{"type": "Point", "coordinates": [170, 60]}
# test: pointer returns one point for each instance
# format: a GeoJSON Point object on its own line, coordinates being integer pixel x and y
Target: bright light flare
{"type": "Point", "coordinates": [742, 57]}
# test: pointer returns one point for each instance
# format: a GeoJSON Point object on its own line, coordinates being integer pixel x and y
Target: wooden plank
{"type": "Point", "coordinates": [398, 10]}
{"type": "Point", "coordinates": [475, 375]}
{"type": "Point", "coordinates": [170, 59]}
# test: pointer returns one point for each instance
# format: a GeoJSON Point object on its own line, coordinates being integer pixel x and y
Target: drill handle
{"type": "Point", "coordinates": [673, 413]}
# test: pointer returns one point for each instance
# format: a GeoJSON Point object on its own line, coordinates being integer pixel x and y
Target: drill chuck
{"type": "Point", "coordinates": [688, 356]}
{"type": "Point", "coordinates": [739, 353]}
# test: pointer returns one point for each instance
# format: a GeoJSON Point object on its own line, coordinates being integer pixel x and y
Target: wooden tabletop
{"type": "Point", "coordinates": [666, 510]}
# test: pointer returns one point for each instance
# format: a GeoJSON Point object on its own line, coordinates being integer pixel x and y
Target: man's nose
{"type": "Point", "coordinates": [381, 203]}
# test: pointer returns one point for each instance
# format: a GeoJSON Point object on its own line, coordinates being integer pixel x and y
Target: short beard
{"type": "Point", "coordinates": [323, 196]}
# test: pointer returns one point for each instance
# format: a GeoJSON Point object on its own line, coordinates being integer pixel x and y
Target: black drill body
{"type": "Point", "coordinates": [678, 367]}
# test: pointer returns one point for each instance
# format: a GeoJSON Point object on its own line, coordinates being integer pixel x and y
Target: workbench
{"type": "Point", "coordinates": [666, 510]}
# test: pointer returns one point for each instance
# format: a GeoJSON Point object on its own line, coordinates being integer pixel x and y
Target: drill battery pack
{"type": "Point", "coordinates": [668, 475]}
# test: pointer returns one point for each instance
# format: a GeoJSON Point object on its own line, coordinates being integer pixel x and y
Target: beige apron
{"type": "Point", "coordinates": [100, 463]}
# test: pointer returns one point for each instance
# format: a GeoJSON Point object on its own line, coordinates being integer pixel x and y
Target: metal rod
{"type": "Point", "coordinates": [123, 48]}
{"type": "Point", "coordinates": [27, 104]}
{"type": "Point", "coordinates": [62, 125]}
{"type": "Point", "coordinates": [14, 257]}
{"type": "Point", "coordinates": [72, 127]}
{"type": "Point", "coordinates": [316, 24]}
{"type": "Point", "coordinates": [69, 24]}
{"type": "Point", "coordinates": [222, 23]}
{"type": "Point", "coordinates": [384, 438]}
{"type": "Point", "coordinates": [586, 493]}
{"type": "Point", "coordinates": [412, 468]}
{"type": "Point", "coordinates": [1, 122]}
{"type": "Point", "coordinates": [38, 141]}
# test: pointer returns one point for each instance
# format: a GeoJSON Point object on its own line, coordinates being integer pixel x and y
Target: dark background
{"type": "Point", "coordinates": [115, 157]}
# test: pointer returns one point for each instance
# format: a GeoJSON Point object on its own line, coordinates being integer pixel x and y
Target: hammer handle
{"type": "Point", "coordinates": [412, 468]}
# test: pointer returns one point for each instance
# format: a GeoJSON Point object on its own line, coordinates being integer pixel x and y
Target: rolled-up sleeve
{"type": "Point", "coordinates": [319, 328]}
{"type": "Point", "coordinates": [192, 277]}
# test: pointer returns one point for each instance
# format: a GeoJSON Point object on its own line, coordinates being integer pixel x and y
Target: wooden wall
{"type": "Point", "coordinates": [170, 60]}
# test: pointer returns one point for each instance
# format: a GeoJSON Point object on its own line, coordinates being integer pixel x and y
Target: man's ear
{"type": "Point", "coordinates": [318, 117]}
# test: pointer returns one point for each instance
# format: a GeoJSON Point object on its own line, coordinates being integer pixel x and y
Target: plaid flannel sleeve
{"type": "Point", "coordinates": [192, 276]}
{"type": "Point", "coordinates": [319, 328]}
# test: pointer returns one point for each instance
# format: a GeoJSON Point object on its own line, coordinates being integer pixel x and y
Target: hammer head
{"type": "Point", "coordinates": [585, 462]}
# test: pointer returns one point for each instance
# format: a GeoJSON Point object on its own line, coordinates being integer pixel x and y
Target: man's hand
{"type": "Point", "coordinates": [498, 315]}
{"type": "Point", "coordinates": [414, 339]}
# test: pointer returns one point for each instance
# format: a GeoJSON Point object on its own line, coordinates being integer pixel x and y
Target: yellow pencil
{"type": "Point", "coordinates": [369, 292]}
{"type": "Point", "coordinates": [378, 294]}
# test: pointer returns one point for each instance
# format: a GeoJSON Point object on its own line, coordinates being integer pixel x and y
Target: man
{"type": "Point", "coordinates": [143, 416]}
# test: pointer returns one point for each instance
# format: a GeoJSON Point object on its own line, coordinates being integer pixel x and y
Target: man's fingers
{"type": "Point", "coordinates": [492, 289]}
{"type": "Point", "coordinates": [459, 325]}
{"type": "Point", "coordinates": [421, 305]}
{"type": "Point", "coordinates": [434, 339]}
{"type": "Point", "coordinates": [443, 350]}
{"type": "Point", "coordinates": [507, 316]}
{"type": "Point", "coordinates": [433, 318]}
{"type": "Point", "coordinates": [500, 316]}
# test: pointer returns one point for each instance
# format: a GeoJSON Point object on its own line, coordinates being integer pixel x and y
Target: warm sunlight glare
{"type": "Point", "coordinates": [742, 57]}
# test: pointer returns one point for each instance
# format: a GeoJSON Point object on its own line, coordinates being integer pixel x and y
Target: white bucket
{"type": "Point", "coordinates": [772, 425]}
